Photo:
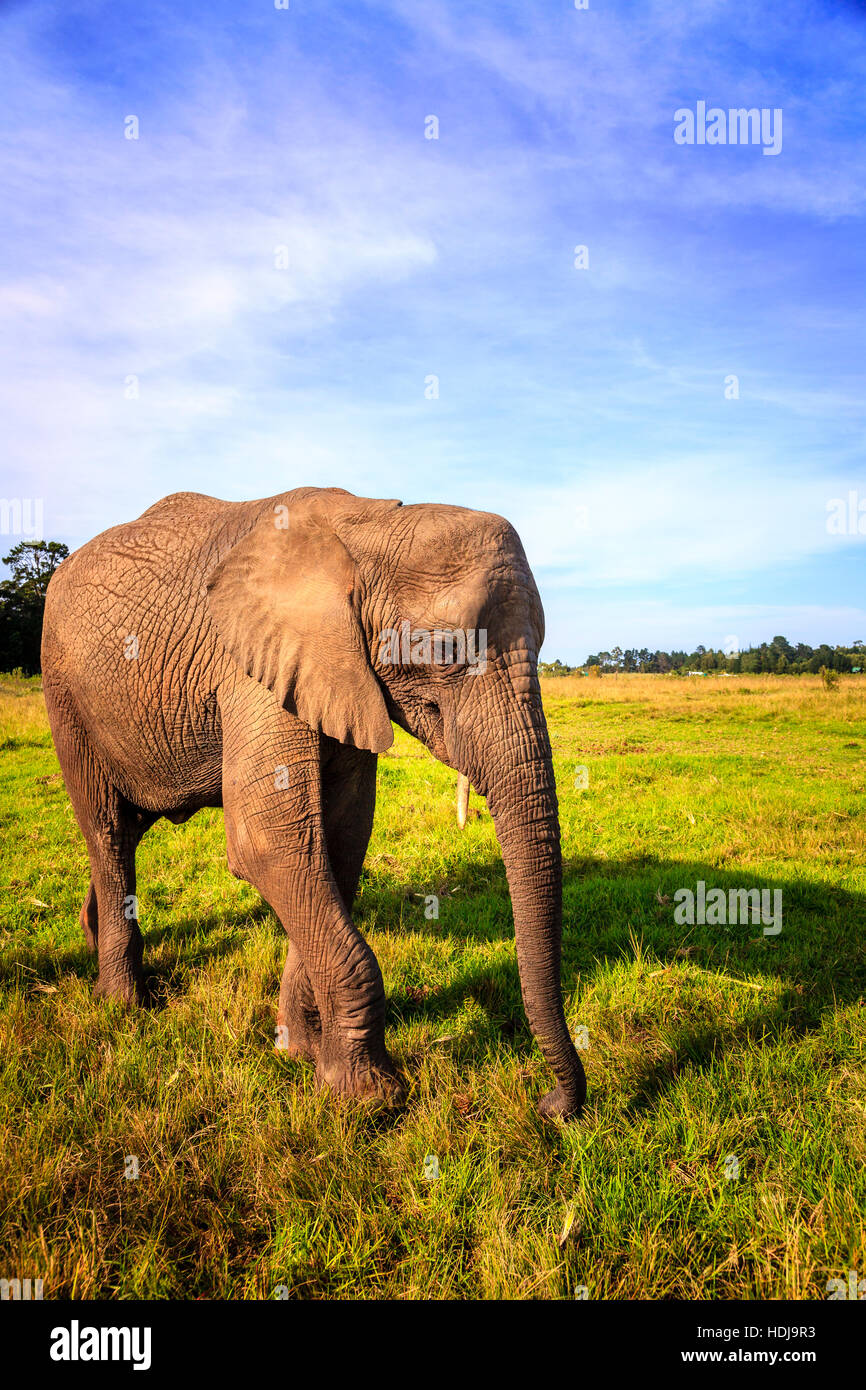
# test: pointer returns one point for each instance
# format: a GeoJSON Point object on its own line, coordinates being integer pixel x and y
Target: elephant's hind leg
{"type": "Point", "coordinates": [112, 838]}
{"type": "Point", "coordinates": [348, 808]}
{"type": "Point", "coordinates": [89, 919]}
{"type": "Point", "coordinates": [299, 1024]}
{"type": "Point", "coordinates": [111, 829]}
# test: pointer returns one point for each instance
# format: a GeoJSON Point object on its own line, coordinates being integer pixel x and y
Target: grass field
{"type": "Point", "coordinates": [711, 1050]}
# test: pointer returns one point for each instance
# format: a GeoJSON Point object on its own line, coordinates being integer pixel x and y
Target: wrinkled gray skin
{"type": "Point", "coordinates": [258, 626]}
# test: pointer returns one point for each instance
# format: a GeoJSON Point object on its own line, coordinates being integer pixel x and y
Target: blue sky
{"type": "Point", "coordinates": [586, 405]}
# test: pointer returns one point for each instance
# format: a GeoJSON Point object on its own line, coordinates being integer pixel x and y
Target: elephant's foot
{"type": "Point", "coordinates": [375, 1083]}
{"type": "Point", "coordinates": [562, 1104]}
{"type": "Point", "coordinates": [126, 988]}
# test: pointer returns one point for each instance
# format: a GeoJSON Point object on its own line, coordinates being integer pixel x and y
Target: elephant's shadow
{"type": "Point", "coordinates": [189, 941]}
{"type": "Point", "coordinates": [607, 907]}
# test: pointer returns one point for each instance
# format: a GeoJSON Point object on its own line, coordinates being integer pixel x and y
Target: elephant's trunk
{"type": "Point", "coordinates": [521, 794]}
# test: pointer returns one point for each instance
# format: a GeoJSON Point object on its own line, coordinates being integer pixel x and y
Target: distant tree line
{"type": "Point", "coordinates": [779, 657]}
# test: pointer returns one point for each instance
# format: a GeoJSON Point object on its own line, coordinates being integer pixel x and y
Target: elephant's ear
{"type": "Point", "coordinates": [283, 604]}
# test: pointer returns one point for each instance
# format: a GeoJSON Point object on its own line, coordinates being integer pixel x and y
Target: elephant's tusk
{"type": "Point", "coordinates": [462, 799]}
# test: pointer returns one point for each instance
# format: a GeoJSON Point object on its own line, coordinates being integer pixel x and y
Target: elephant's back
{"type": "Point", "coordinates": [146, 579]}
{"type": "Point", "coordinates": [164, 550]}
{"type": "Point", "coordinates": [127, 636]}
{"type": "Point", "coordinates": [189, 504]}
{"type": "Point", "coordinates": [140, 588]}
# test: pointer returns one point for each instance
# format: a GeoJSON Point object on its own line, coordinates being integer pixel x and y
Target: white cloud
{"type": "Point", "coordinates": [689, 518]}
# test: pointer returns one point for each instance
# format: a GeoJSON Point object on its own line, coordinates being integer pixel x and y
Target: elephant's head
{"type": "Point", "coordinates": [335, 603]}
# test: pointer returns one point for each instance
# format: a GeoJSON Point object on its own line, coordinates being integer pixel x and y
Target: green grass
{"type": "Point", "coordinates": [704, 1042]}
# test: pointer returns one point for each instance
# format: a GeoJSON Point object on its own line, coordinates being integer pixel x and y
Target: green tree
{"type": "Point", "coordinates": [22, 602]}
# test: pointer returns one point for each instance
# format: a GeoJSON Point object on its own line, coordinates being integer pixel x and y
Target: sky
{"type": "Point", "coordinates": [282, 281]}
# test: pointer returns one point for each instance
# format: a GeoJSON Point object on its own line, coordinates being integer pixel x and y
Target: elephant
{"type": "Point", "coordinates": [215, 653]}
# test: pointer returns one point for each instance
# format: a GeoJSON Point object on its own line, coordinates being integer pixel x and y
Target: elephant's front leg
{"type": "Point", "coordinates": [276, 835]}
{"type": "Point", "coordinates": [348, 806]}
